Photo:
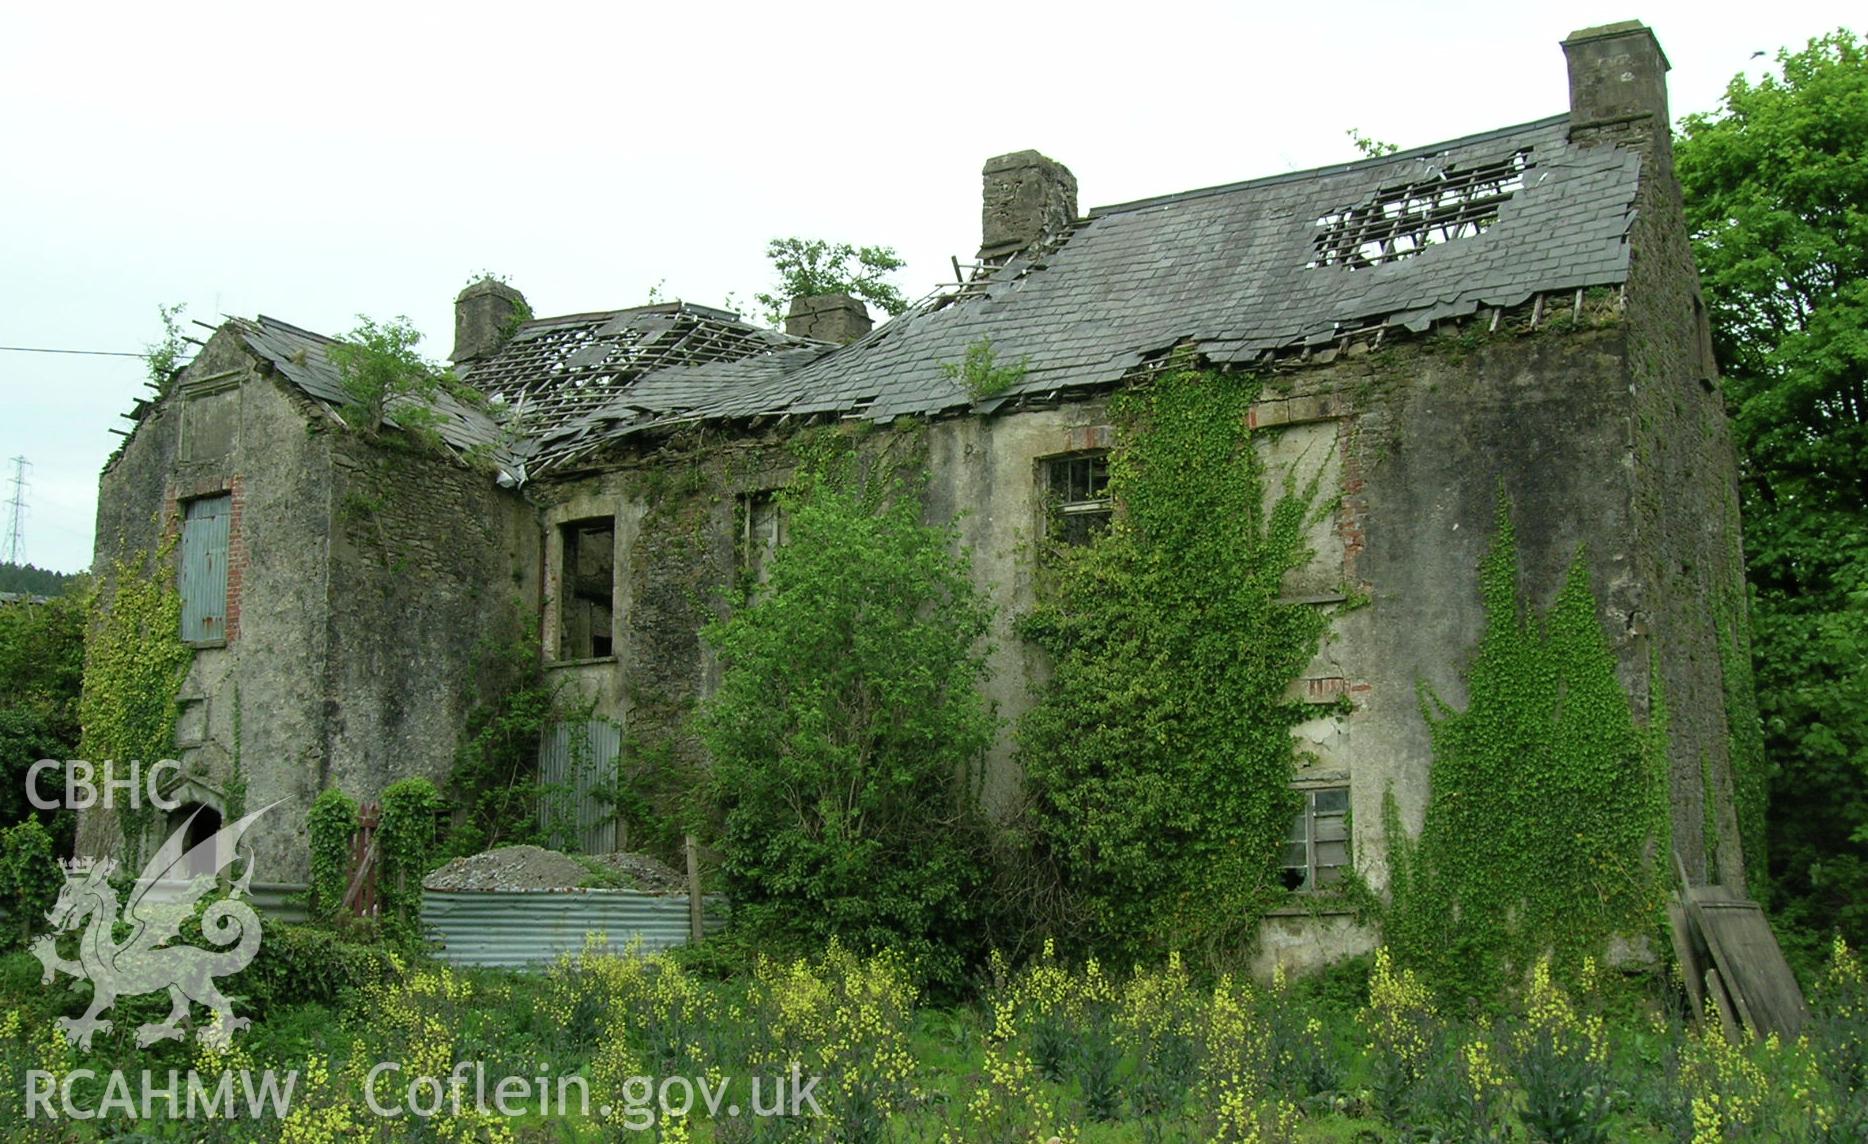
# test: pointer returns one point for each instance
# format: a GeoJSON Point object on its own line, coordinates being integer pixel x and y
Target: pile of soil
{"type": "Point", "coordinates": [536, 868]}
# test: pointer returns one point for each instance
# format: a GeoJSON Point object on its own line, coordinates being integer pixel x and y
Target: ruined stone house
{"type": "Point", "coordinates": [1517, 308]}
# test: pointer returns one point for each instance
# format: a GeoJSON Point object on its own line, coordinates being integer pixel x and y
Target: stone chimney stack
{"type": "Point", "coordinates": [835, 318]}
{"type": "Point", "coordinates": [1618, 85]}
{"type": "Point", "coordinates": [484, 316]}
{"type": "Point", "coordinates": [1027, 198]}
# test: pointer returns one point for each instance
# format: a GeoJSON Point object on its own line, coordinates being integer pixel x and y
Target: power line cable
{"type": "Point", "coordinates": [44, 350]}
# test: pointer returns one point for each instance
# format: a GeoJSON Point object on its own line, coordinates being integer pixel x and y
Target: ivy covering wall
{"type": "Point", "coordinates": [1159, 754]}
{"type": "Point", "coordinates": [134, 665]}
{"type": "Point", "coordinates": [1547, 825]}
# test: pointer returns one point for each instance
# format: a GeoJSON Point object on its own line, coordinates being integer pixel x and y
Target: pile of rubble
{"type": "Point", "coordinates": [536, 868]}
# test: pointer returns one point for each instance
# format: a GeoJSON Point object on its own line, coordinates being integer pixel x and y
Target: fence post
{"type": "Point", "coordinates": [694, 896]}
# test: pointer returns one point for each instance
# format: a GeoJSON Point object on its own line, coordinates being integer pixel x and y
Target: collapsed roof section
{"type": "Point", "coordinates": [1239, 273]}
{"type": "Point", "coordinates": [300, 356]}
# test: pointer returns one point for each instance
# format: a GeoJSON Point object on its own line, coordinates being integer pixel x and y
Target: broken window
{"type": "Point", "coordinates": [1317, 850]}
{"type": "Point", "coordinates": [205, 524]}
{"type": "Point", "coordinates": [1400, 221]}
{"type": "Point", "coordinates": [1079, 496]}
{"type": "Point", "coordinates": [762, 530]}
{"type": "Point", "coordinates": [588, 589]}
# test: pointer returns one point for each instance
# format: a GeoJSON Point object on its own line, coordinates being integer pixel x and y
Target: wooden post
{"type": "Point", "coordinates": [694, 894]}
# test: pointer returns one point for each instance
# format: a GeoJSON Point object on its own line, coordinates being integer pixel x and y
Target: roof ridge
{"type": "Point", "coordinates": [1332, 169]}
{"type": "Point", "coordinates": [275, 322]}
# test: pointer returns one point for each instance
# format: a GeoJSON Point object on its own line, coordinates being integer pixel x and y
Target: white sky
{"type": "Point", "coordinates": [314, 162]}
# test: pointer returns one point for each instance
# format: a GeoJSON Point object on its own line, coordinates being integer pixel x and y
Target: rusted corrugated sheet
{"type": "Point", "coordinates": [204, 569]}
{"type": "Point", "coordinates": [532, 928]}
{"type": "Point", "coordinates": [577, 764]}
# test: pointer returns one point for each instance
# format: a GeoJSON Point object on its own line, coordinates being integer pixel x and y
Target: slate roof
{"type": "Point", "coordinates": [1237, 272]}
{"type": "Point", "coordinates": [1230, 270]}
{"type": "Point", "coordinates": [300, 356]}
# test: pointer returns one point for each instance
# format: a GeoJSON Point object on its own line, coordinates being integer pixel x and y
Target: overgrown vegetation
{"type": "Point", "coordinates": [26, 580]}
{"type": "Point", "coordinates": [385, 379]}
{"type": "Point", "coordinates": [1159, 754]}
{"type": "Point", "coordinates": [981, 375]}
{"type": "Point", "coordinates": [495, 791]}
{"type": "Point", "coordinates": [809, 267]}
{"type": "Point", "coordinates": [1547, 822]}
{"type": "Point", "coordinates": [134, 664]}
{"type": "Point", "coordinates": [167, 354]}
{"type": "Point", "coordinates": [405, 845]}
{"type": "Point", "coordinates": [1051, 1049]}
{"type": "Point", "coordinates": [1774, 182]}
{"type": "Point", "coordinates": [848, 712]}
{"type": "Point", "coordinates": [331, 823]}
{"type": "Point", "coordinates": [41, 678]}
{"type": "Point", "coordinates": [30, 878]}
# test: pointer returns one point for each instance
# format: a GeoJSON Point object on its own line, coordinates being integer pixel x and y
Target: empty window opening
{"type": "Point", "coordinates": [762, 530]}
{"type": "Point", "coordinates": [205, 525]}
{"type": "Point", "coordinates": [1404, 220]}
{"type": "Point", "coordinates": [589, 589]}
{"type": "Point", "coordinates": [1317, 850]}
{"type": "Point", "coordinates": [1079, 495]}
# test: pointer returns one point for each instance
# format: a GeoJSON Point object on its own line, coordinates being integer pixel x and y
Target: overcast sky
{"type": "Point", "coordinates": [315, 162]}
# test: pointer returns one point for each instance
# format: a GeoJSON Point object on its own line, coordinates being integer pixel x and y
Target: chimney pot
{"type": "Point", "coordinates": [484, 316]}
{"type": "Point", "coordinates": [835, 318]}
{"type": "Point", "coordinates": [1618, 75]}
{"type": "Point", "coordinates": [1026, 198]}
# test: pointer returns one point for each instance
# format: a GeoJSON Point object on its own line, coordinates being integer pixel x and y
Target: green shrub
{"type": "Point", "coordinates": [30, 878]}
{"type": "Point", "coordinates": [303, 964]}
{"type": "Point", "coordinates": [332, 822]}
{"type": "Point", "coordinates": [848, 705]}
{"type": "Point", "coordinates": [405, 843]}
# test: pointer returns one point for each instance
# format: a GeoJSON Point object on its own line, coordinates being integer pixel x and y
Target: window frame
{"type": "Point", "coordinates": [1305, 832]}
{"type": "Point", "coordinates": [570, 545]}
{"type": "Point", "coordinates": [1062, 505]}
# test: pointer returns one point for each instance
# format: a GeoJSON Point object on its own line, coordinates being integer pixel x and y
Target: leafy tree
{"type": "Point", "coordinates": [383, 377]}
{"type": "Point", "coordinates": [1775, 183]}
{"type": "Point", "coordinates": [848, 708]}
{"type": "Point", "coordinates": [30, 581]}
{"type": "Point", "coordinates": [41, 672]}
{"type": "Point", "coordinates": [164, 356]}
{"type": "Point", "coordinates": [808, 267]}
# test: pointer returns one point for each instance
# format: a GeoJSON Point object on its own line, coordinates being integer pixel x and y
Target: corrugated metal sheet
{"type": "Point", "coordinates": [578, 760]}
{"type": "Point", "coordinates": [204, 569]}
{"type": "Point", "coordinates": [531, 928]}
{"type": "Point", "coordinates": [280, 901]}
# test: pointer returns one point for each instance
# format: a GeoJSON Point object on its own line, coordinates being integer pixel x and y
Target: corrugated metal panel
{"type": "Point", "coordinates": [280, 901]}
{"type": "Point", "coordinates": [204, 569]}
{"type": "Point", "coordinates": [532, 928]}
{"type": "Point", "coordinates": [579, 761]}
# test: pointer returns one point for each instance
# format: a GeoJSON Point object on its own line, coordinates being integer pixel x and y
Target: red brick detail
{"type": "Point", "coordinates": [236, 553]}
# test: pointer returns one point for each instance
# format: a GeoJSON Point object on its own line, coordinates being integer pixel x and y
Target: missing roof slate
{"type": "Point", "coordinates": [1402, 220]}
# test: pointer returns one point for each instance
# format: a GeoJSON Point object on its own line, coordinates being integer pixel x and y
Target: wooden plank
{"type": "Point", "coordinates": [1752, 966]}
{"type": "Point", "coordinates": [1692, 970]}
{"type": "Point", "coordinates": [1727, 1019]}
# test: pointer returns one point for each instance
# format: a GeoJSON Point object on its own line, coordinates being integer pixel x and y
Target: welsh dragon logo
{"type": "Point", "coordinates": [164, 895]}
